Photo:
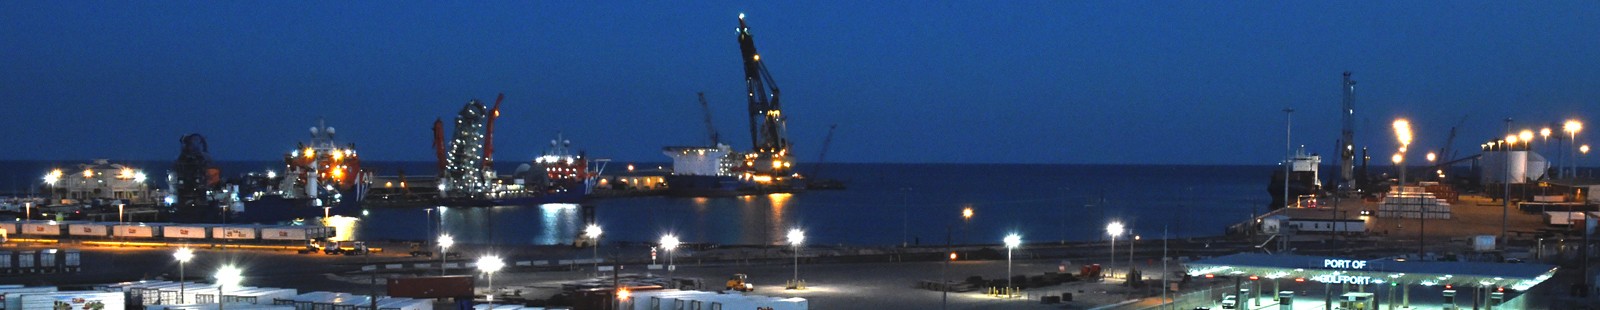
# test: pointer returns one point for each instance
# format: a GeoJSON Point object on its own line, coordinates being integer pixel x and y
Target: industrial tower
{"type": "Point", "coordinates": [1347, 145]}
{"type": "Point", "coordinates": [769, 158]}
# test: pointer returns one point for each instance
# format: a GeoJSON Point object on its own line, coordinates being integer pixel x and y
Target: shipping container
{"type": "Point", "coordinates": [89, 229]}
{"type": "Point", "coordinates": [136, 230]}
{"type": "Point", "coordinates": [9, 295]}
{"type": "Point", "coordinates": [432, 287]}
{"type": "Point", "coordinates": [259, 296]}
{"type": "Point", "coordinates": [87, 300]}
{"type": "Point", "coordinates": [41, 228]}
{"type": "Point", "coordinates": [9, 227]}
{"type": "Point", "coordinates": [234, 232]}
{"type": "Point", "coordinates": [230, 306]}
{"type": "Point", "coordinates": [186, 231]}
{"type": "Point", "coordinates": [294, 233]}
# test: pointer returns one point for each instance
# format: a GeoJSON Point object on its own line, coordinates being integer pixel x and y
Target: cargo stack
{"type": "Point", "coordinates": [1413, 202]}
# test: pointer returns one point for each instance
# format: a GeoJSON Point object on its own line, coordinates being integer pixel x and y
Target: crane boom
{"type": "Point", "coordinates": [823, 156]}
{"type": "Point", "coordinates": [767, 136]}
{"type": "Point", "coordinates": [1347, 135]}
{"type": "Point", "coordinates": [710, 129]}
{"type": "Point", "coordinates": [488, 136]}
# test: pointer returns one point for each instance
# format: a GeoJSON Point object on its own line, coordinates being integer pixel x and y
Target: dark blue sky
{"type": "Point", "coordinates": [1190, 82]}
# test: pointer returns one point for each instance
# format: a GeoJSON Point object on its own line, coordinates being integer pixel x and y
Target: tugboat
{"type": "Point", "coordinates": [321, 179]}
{"type": "Point", "coordinates": [1303, 179]}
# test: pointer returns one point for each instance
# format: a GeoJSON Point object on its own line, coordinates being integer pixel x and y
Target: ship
{"type": "Point", "coordinates": [320, 179]}
{"type": "Point", "coordinates": [706, 171]}
{"type": "Point", "coordinates": [467, 177]}
{"type": "Point", "coordinates": [1304, 184]}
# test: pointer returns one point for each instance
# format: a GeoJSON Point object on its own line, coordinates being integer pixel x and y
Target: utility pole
{"type": "Point", "coordinates": [1288, 158]}
{"type": "Point", "coordinates": [1505, 208]}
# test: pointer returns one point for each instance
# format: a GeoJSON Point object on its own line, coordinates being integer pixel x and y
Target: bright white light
{"type": "Point", "coordinates": [445, 241]}
{"type": "Point", "coordinates": [741, 15]}
{"type": "Point", "coordinates": [229, 276]}
{"type": "Point", "coordinates": [593, 231]}
{"type": "Point", "coordinates": [1013, 240]}
{"type": "Point", "coordinates": [796, 236]}
{"type": "Point", "coordinates": [1115, 229]}
{"type": "Point", "coordinates": [139, 176]}
{"type": "Point", "coordinates": [183, 254]}
{"type": "Point", "coordinates": [490, 264]}
{"type": "Point", "coordinates": [669, 242]}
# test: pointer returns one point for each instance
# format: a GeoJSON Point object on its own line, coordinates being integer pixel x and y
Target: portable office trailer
{"type": "Point", "coordinates": [136, 230]}
{"type": "Point", "coordinates": [9, 295]}
{"type": "Point", "coordinates": [235, 232]}
{"type": "Point", "coordinates": [72, 300]}
{"type": "Point", "coordinates": [259, 296]}
{"type": "Point", "coordinates": [89, 229]}
{"type": "Point", "coordinates": [185, 231]}
{"type": "Point", "coordinates": [230, 306]}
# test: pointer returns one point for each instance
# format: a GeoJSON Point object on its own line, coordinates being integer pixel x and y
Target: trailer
{"type": "Point", "coordinates": [675, 299]}
{"type": "Point", "coordinates": [93, 300]}
{"type": "Point", "coordinates": [42, 228]}
{"type": "Point", "coordinates": [9, 227]}
{"type": "Point", "coordinates": [140, 230]}
{"type": "Point", "coordinates": [231, 306]}
{"type": "Point", "coordinates": [295, 233]}
{"type": "Point", "coordinates": [259, 296]}
{"type": "Point", "coordinates": [47, 261]}
{"type": "Point", "coordinates": [401, 303]}
{"type": "Point", "coordinates": [185, 231]}
{"type": "Point", "coordinates": [88, 229]}
{"type": "Point", "coordinates": [235, 232]}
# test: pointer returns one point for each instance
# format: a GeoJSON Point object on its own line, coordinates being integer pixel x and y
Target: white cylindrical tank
{"type": "Point", "coordinates": [1518, 167]}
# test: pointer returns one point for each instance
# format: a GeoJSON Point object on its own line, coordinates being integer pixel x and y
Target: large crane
{"type": "Point", "coordinates": [488, 136]}
{"type": "Point", "coordinates": [1347, 145]}
{"type": "Point", "coordinates": [710, 129]}
{"type": "Point", "coordinates": [823, 157]}
{"type": "Point", "coordinates": [767, 136]}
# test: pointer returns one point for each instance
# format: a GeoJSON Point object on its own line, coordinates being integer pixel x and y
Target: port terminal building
{"type": "Point", "coordinates": [1370, 284]}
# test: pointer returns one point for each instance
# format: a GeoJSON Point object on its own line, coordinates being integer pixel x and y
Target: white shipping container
{"type": "Point", "coordinates": [88, 229]}
{"type": "Point", "coordinates": [9, 227]}
{"type": "Point", "coordinates": [299, 233]}
{"type": "Point", "coordinates": [234, 232]}
{"type": "Point", "coordinates": [36, 228]}
{"type": "Point", "coordinates": [184, 231]}
{"type": "Point", "coordinates": [72, 300]}
{"type": "Point", "coordinates": [229, 306]}
{"type": "Point", "coordinates": [134, 231]}
{"type": "Point", "coordinates": [9, 295]}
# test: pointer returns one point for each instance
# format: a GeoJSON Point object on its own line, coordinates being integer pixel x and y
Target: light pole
{"type": "Point", "coordinates": [1012, 241]}
{"type": "Point", "coordinates": [1288, 158]}
{"type": "Point", "coordinates": [183, 255]}
{"type": "Point", "coordinates": [119, 214]}
{"type": "Point", "coordinates": [1505, 203]}
{"type": "Point", "coordinates": [489, 265]}
{"type": "Point", "coordinates": [593, 231]}
{"type": "Point", "coordinates": [226, 276]}
{"type": "Point", "coordinates": [445, 241]}
{"type": "Point", "coordinates": [27, 211]}
{"type": "Point", "coordinates": [796, 237]}
{"type": "Point", "coordinates": [905, 216]}
{"type": "Point", "coordinates": [1130, 249]}
{"type": "Point", "coordinates": [1572, 127]}
{"type": "Point", "coordinates": [429, 213]}
{"type": "Point", "coordinates": [668, 243]}
{"type": "Point", "coordinates": [1114, 229]}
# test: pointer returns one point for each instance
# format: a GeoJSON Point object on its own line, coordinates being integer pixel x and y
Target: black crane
{"type": "Point", "coordinates": [822, 158]}
{"type": "Point", "coordinates": [710, 129]}
{"type": "Point", "coordinates": [767, 136]}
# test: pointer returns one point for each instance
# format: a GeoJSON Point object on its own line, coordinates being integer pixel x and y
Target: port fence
{"type": "Point", "coordinates": [1204, 296]}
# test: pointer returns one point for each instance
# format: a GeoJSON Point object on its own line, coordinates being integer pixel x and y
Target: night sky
{"type": "Point", "coordinates": [1168, 82]}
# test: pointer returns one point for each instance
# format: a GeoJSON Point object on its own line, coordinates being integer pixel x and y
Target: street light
{"type": "Point", "coordinates": [1572, 127]}
{"type": "Point", "coordinates": [966, 213]}
{"type": "Point", "coordinates": [489, 265]}
{"type": "Point", "coordinates": [668, 243]}
{"type": "Point", "coordinates": [593, 231]}
{"type": "Point", "coordinates": [119, 214]}
{"type": "Point", "coordinates": [1402, 132]}
{"type": "Point", "coordinates": [1114, 229]}
{"type": "Point", "coordinates": [183, 255]}
{"type": "Point", "coordinates": [1012, 241]}
{"type": "Point", "coordinates": [227, 275]}
{"type": "Point", "coordinates": [445, 241]}
{"type": "Point", "coordinates": [796, 237]}
{"type": "Point", "coordinates": [1526, 136]}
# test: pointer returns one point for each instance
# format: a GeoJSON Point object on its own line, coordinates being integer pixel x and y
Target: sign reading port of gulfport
{"type": "Point", "coordinates": [1342, 279]}
{"type": "Point", "coordinates": [1344, 264]}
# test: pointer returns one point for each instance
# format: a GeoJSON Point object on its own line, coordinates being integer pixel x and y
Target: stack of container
{"type": "Point", "coordinates": [347, 301]}
{"type": "Point", "coordinates": [92, 300]}
{"type": "Point", "coordinates": [1413, 203]}
{"type": "Point", "coordinates": [9, 294]}
{"type": "Point", "coordinates": [676, 299]}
